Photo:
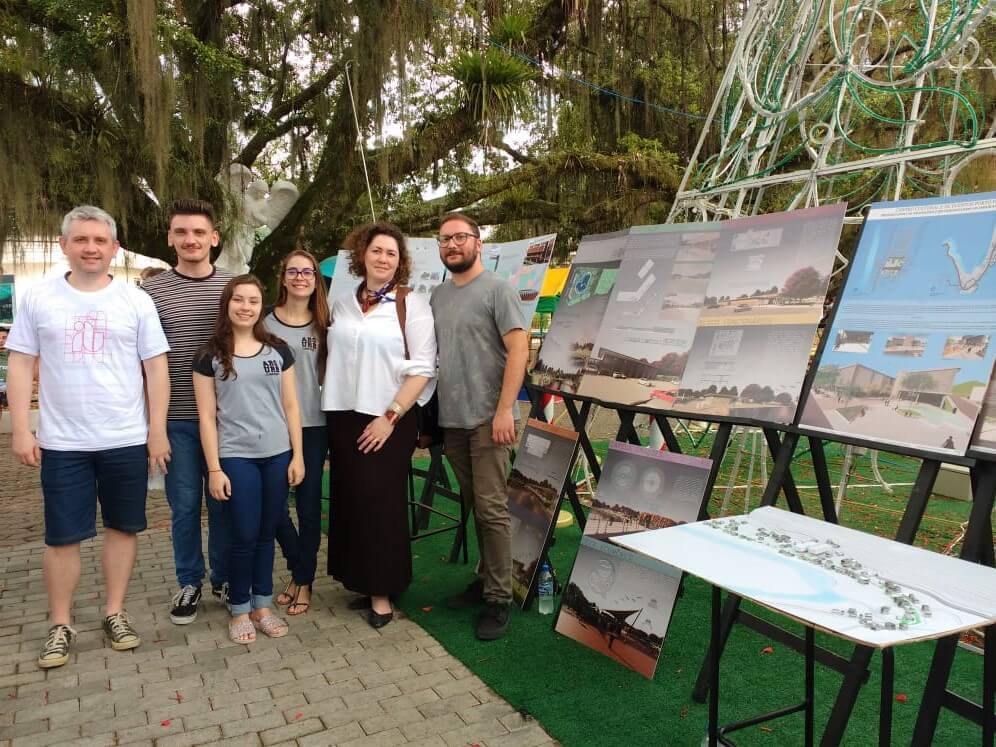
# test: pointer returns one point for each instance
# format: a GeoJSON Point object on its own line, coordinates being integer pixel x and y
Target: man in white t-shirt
{"type": "Point", "coordinates": [95, 336]}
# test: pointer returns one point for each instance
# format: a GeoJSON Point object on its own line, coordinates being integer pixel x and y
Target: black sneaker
{"type": "Point", "coordinates": [493, 622]}
{"type": "Point", "coordinates": [123, 636]}
{"type": "Point", "coordinates": [55, 652]}
{"type": "Point", "coordinates": [220, 593]}
{"type": "Point", "coordinates": [472, 596]}
{"type": "Point", "coordinates": [185, 602]}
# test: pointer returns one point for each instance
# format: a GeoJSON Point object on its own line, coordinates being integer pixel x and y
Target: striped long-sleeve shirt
{"type": "Point", "coordinates": [187, 310]}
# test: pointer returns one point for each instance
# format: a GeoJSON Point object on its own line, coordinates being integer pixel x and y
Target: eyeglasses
{"type": "Point", "coordinates": [303, 272]}
{"type": "Point", "coordinates": [458, 239]}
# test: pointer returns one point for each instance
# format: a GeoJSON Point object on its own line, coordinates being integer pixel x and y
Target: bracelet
{"type": "Point", "coordinates": [391, 416]}
{"type": "Point", "coordinates": [214, 470]}
{"type": "Point", "coordinates": [396, 407]}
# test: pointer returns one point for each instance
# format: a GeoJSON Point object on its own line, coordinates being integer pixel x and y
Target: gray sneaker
{"type": "Point", "coordinates": [55, 652]}
{"type": "Point", "coordinates": [119, 629]}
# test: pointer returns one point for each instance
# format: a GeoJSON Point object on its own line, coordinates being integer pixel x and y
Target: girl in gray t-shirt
{"type": "Point", "coordinates": [250, 427]}
{"type": "Point", "coordinates": [301, 318]}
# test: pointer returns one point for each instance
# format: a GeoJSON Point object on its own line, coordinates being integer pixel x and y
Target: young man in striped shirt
{"type": "Point", "coordinates": [187, 298]}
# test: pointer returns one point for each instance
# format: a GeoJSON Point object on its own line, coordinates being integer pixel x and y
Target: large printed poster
{"type": "Point", "coordinates": [428, 269]}
{"type": "Point", "coordinates": [541, 466]}
{"type": "Point", "coordinates": [763, 304]}
{"type": "Point", "coordinates": [649, 324]}
{"type": "Point", "coordinates": [571, 336]}
{"type": "Point", "coordinates": [910, 354]}
{"type": "Point", "coordinates": [618, 602]}
{"type": "Point", "coordinates": [985, 429]}
{"type": "Point", "coordinates": [524, 264]}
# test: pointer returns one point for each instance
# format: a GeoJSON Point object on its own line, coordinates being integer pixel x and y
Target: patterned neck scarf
{"type": "Point", "coordinates": [368, 300]}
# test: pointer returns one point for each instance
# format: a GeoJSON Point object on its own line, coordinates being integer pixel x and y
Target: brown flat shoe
{"type": "Point", "coordinates": [287, 596]}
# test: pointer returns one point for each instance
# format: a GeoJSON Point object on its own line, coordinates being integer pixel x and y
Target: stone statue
{"type": "Point", "coordinates": [257, 205]}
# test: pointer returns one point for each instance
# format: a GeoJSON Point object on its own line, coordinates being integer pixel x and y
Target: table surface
{"type": "Point", "coordinates": [867, 589]}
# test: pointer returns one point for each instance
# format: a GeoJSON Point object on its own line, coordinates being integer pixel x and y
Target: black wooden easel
{"type": "Point", "coordinates": [977, 546]}
{"type": "Point", "coordinates": [579, 409]}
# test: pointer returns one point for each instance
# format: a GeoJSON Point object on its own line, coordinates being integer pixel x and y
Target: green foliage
{"type": "Point", "coordinates": [493, 83]}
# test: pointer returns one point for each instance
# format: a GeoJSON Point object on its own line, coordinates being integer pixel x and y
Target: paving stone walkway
{"type": "Point", "coordinates": [332, 680]}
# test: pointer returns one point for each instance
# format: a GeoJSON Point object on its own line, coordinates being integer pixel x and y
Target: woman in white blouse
{"type": "Point", "coordinates": [377, 371]}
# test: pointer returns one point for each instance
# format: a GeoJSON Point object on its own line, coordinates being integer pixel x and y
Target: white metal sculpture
{"type": "Point", "coordinates": [857, 100]}
{"type": "Point", "coordinates": [258, 205]}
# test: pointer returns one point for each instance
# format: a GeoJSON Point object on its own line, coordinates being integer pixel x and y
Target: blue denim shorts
{"type": "Point", "coordinates": [73, 482]}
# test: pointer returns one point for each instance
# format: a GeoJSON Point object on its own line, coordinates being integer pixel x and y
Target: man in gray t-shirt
{"type": "Point", "coordinates": [483, 349]}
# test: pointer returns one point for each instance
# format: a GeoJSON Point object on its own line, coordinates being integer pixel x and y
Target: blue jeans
{"type": "Point", "coordinates": [186, 487]}
{"type": "Point", "coordinates": [300, 545]}
{"type": "Point", "coordinates": [257, 503]}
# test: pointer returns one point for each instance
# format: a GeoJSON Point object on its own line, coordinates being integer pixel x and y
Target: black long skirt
{"type": "Point", "coordinates": [369, 545]}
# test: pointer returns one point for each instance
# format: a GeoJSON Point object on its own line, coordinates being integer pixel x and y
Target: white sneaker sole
{"type": "Point", "coordinates": [52, 663]}
{"type": "Point", "coordinates": [182, 620]}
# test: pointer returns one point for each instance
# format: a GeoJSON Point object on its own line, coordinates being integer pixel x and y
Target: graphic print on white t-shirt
{"type": "Point", "coordinates": [86, 337]}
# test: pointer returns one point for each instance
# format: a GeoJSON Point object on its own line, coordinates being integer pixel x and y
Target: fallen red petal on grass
{"type": "Point", "coordinates": [768, 650]}
{"type": "Point", "coordinates": [427, 609]}
{"type": "Point", "coordinates": [901, 698]}
{"type": "Point", "coordinates": [165, 722]}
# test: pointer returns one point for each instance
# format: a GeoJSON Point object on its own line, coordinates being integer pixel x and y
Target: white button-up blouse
{"type": "Point", "coordinates": [366, 363]}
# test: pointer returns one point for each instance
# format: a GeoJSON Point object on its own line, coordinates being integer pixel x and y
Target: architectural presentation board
{"type": "Point", "coordinates": [910, 352]}
{"type": "Point", "coordinates": [571, 337]}
{"type": "Point", "coordinates": [763, 305]}
{"type": "Point", "coordinates": [617, 602]}
{"type": "Point", "coordinates": [428, 269]}
{"type": "Point", "coordinates": [708, 319]}
{"type": "Point", "coordinates": [541, 465]}
{"type": "Point", "coordinates": [867, 589]}
{"type": "Point", "coordinates": [524, 264]}
{"type": "Point", "coordinates": [645, 488]}
{"type": "Point", "coordinates": [649, 323]}
{"type": "Point", "coordinates": [985, 428]}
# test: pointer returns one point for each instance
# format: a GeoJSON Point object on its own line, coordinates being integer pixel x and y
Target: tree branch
{"type": "Point", "coordinates": [638, 172]}
{"type": "Point", "coordinates": [266, 134]}
{"type": "Point", "coordinates": [516, 155]}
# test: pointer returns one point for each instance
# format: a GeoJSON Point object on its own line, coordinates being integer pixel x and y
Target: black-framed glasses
{"type": "Point", "coordinates": [300, 272]}
{"type": "Point", "coordinates": [458, 239]}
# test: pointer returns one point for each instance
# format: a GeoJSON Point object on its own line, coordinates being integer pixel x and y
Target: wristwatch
{"type": "Point", "coordinates": [391, 416]}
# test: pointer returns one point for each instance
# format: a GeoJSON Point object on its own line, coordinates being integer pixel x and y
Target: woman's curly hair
{"type": "Point", "coordinates": [359, 239]}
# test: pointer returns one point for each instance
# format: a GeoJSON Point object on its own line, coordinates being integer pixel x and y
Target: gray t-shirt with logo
{"type": "Point", "coordinates": [303, 343]}
{"type": "Point", "coordinates": [470, 322]}
{"type": "Point", "coordinates": [251, 420]}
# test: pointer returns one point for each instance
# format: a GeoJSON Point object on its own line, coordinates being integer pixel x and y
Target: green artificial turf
{"type": "Point", "coordinates": [583, 698]}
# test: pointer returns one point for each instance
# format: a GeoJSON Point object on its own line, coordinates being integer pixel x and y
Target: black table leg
{"type": "Point", "coordinates": [714, 668]}
{"type": "Point", "coordinates": [988, 686]}
{"type": "Point", "coordinates": [885, 705]}
{"type": "Point", "coordinates": [810, 683]}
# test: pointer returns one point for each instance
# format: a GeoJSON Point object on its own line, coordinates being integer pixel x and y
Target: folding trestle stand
{"type": "Point", "coordinates": [855, 668]}
{"type": "Point", "coordinates": [436, 481]}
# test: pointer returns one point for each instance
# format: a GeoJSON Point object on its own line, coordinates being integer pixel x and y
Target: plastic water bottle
{"type": "Point", "coordinates": [157, 481]}
{"type": "Point", "coordinates": [544, 590]}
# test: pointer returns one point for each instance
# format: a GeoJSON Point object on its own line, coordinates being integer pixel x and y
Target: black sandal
{"type": "Point", "coordinates": [299, 604]}
{"type": "Point", "coordinates": [285, 597]}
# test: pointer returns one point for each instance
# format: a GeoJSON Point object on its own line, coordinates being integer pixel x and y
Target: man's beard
{"type": "Point", "coordinates": [460, 265]}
